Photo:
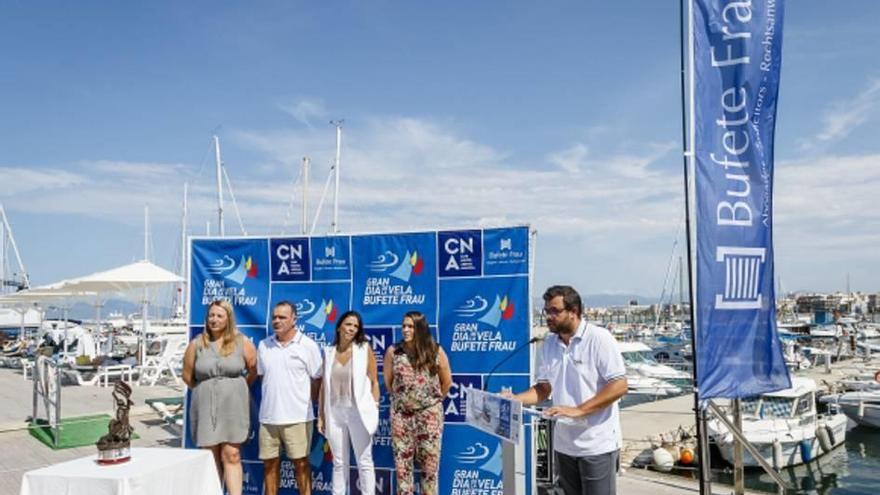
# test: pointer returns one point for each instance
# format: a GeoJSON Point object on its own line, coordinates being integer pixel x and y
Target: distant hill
{"type": "Point", "coordinates": [604, 300]}
{"type": "Point", "coordinates": [85, 311]}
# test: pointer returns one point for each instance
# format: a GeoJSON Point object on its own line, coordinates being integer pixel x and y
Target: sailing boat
{"type": "Point", "coordinates": [13, 320]}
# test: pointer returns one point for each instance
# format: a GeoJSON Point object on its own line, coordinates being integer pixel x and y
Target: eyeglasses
{"type": "Point", "coordinates": [551, 311]}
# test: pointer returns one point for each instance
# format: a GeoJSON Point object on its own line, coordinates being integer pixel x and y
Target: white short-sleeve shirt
{"type": "Point", "coordinates": [576, 373]}
{"type": "Point", "coordinates": [287, 371]}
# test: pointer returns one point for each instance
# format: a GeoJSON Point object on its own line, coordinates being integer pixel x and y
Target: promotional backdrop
{"type": "Point", "coordinates": [473, 285]}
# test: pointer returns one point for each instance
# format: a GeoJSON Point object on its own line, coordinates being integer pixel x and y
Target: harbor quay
{"type": "Point", "coordinates": [642, 424]}
{"type": "Point", "coordinates": [645, 426]}
{"type": "Point", "coordinates": [20, 452]}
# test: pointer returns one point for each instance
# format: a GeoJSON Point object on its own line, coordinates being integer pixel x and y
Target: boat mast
{"type": "Point", "coordinates": [219, 164]}
{"type": "Point", "coordinates": [142, 338]}
{"type": "Point", "coordinates": [181, 301]}
{"type": "Point", "coordinates": [681, 289]}
{"type": "Point", "coordinates": [338, 124]}
{"type": "Point", "coordinates": [305, 194]}
{"type": "Point", "coordinates": [146, 232]}
{"type": "Point", "coordinates": [688, 118]}
{"type": "Point", "coordinates": [4, 282]}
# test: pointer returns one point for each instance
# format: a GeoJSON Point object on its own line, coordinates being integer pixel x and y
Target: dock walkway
{"type": "Point", "coordinates": [20, 452]}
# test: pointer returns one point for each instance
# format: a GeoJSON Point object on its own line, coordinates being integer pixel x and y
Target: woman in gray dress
{"type": "Point", "coordinates": [218, 366]}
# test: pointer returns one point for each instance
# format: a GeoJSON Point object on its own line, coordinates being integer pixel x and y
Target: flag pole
{"type": "Point", "coordinates": [687, 133]}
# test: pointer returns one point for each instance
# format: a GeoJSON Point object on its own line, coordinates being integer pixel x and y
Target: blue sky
{"type": "Point", "coordinates": [564, 115]}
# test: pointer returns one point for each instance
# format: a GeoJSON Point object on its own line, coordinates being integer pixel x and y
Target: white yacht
{"type": "Point", "coordinates": [643, 385]}
{"type": "Point", "coordinates": [862, 406]}
{"type": "Point", "coordinates": [13, 320]}
{"type": "Point", "coordinates": [639, 359]}
{"type": "Point", "coordinates": [784, 426]}
{"type": "Point", "coordinates": [826, 331]}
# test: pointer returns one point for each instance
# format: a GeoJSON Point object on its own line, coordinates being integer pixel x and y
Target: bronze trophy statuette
{"type": "Point", "coordinates": [115, 446]}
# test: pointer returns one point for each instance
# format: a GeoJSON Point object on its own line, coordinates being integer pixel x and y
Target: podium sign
{"type": "Point", "coordinates": [494, 414]}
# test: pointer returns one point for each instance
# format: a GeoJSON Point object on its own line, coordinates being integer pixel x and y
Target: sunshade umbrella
{"type": "Point", "coordinates": [139, 275]}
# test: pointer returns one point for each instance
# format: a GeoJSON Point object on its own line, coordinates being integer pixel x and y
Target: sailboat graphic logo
{"type": "Point", "coordinates": [482, 458]}
{"type": "Point", "coordinates": [400, 268]}
{"type": "Point", "coordinates": [315, 315]}
{"type": "Point", "coordinates": [226, 266]}
{"type": "Point", "coordinates": [501, 309]}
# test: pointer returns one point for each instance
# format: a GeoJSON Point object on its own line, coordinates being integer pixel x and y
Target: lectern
{"type": "Point", "coordinates": [501, 417]}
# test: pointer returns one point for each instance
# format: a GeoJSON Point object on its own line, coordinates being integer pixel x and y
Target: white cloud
{"type": "Point", "coordinates": [570, 159]}
{"type": "Point", "coordinates": [23, 180]}
{"type": "Point", "coordinates": [845, 116]}
{"type": "Point", "coordinates": [829, 201]}
{"type": "Point", "coordinates": [397, 172]}
{"type": "Point", "coordinates": [306, 110]}
{"type": "Point", "coordinates": [107, 170]}
{"type": "Point", "coordinates": [405, 172]}
{"type": "Point", "coordinates": [618, 209]}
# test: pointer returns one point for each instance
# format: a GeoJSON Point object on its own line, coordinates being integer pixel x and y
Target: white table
{"type": "Point", "coordinates": [150, 472]}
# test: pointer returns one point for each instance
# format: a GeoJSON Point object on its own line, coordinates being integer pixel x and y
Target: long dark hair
{"type": "Point", "coordinates": [360, 337]}
{"type": "Point", "coordinates": [422, 352]}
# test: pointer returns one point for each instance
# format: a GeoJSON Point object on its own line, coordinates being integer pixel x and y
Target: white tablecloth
{"type": "Point", "coordinates": [150, 472]}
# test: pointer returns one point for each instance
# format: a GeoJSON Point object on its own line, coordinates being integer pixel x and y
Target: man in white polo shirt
{"type": "Point", "coordinates": [582, 369]}
{"type": "Point", "coordinates": [290, 365]}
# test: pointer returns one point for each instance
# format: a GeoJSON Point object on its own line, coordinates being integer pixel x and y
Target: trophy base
{"type": "Point", "coordinates": [114, 456]}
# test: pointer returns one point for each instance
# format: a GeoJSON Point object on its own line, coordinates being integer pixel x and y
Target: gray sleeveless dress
{"type": "Point", "coordinates": [220, 407]}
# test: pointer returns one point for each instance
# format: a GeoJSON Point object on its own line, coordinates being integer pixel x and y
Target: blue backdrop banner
{"type": "Point", "coordinates": [737, 56]}
{"type": "Point", "coordinates": [472, 284]}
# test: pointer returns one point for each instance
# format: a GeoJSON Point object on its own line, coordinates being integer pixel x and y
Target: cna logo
{"type": "Point", "coordinates": [315, 315]}
{"type": "Point", "coordinates": [226, 266]}
{"type": "Point", "coordinates": [380, 339]}
{"type": "Point", "coordinates": [481, 457]}
{"type": "Point", "coordinates": [400, 269]}
{"type": "Point", "coordinates": [502, 309]}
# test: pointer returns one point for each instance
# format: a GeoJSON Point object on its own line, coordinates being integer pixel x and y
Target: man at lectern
{"type": "Point", "coordinates": [582, 370]}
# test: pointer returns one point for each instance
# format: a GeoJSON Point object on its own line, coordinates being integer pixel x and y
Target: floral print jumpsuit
{"type": "Point", "coordinates": [416, 424]}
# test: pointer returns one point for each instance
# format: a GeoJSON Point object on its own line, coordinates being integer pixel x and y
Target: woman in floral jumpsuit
{"type": "Point", "coordinates": [417, 376]}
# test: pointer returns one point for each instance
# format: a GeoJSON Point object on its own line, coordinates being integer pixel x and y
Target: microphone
{"type": "Point", "coordinates": [507, 358]}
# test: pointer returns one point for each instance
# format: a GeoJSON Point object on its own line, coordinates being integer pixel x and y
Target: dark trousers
{"type": "Point", "coordinates": [588, 475]}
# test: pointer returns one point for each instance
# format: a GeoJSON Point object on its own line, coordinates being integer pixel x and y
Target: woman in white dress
{"type": "Point", "coordinates": [349, 403]}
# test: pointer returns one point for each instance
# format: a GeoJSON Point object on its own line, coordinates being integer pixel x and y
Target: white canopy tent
{"type": "Point", "coordinates": [133, 276]}
{"type": "Point", "coordinates": [139, 275]}
{"type": "Point", "coordinates": [31, 299]}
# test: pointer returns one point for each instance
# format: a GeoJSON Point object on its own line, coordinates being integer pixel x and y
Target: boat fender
{"type": "Point", "coordinates": [777, 455]}
{"type": "Point", "coordinates": [830, 431]}
{"type": "Point", "coordinates": [861, 409]}
{"type": "Point", "coordinates": [806, 450]}
{"type": "Point", "coordinates": [687, 456]}
{"type": "Point", "coordinates": [673, 450]}
{"type": "Point", "coordinates": [663, 461]}
{"type": "Point", "coordinates": [825, 436]}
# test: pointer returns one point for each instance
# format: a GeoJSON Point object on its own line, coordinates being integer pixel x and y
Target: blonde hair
{"type": "Point", "coordinates": [230, 334]}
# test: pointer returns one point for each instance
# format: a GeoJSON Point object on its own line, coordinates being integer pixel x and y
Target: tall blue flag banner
{"type": "Point", "coordinates": [736, 61]}
{"type": "Point", "coordinates": [473, 286]}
